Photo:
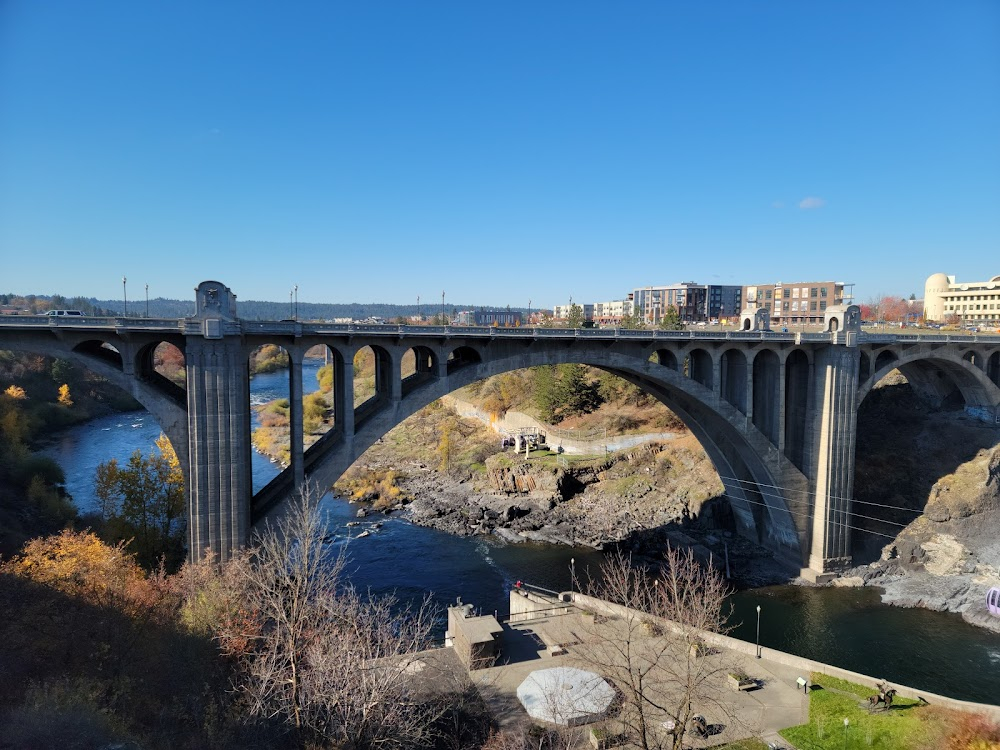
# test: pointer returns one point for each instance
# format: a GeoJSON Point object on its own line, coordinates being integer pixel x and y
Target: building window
{"type": "Point", "coordinates": [822, 292]}
{"type": "Point", "coordinates": [786, 293]}
{"type": "Point", "coordinates": [784, 306]}
{"type": "Point", "coordinates": [767, 294]}
{"type": "Point", "coordinates": [812, 293]}
{"type": "Point", "coordinates": [822, 304]}
{"type": "Point", "coordinates": [812, 306]}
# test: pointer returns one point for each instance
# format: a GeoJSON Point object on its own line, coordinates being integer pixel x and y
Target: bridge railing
{"type": "Point", "coordinates": [193, 326]}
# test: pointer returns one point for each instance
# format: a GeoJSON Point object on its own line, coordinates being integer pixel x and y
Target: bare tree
{"type": "Point", "coordinates": [652, 645]}
{"type": "Point", "coordinates": [316, 653]}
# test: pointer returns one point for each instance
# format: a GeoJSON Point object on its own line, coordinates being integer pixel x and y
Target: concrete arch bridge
{"type": "Point", "coordinates": [776, 412]}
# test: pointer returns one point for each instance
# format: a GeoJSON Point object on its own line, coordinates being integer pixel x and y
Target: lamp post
{"type": "Point", "coordinates": [125, 296]}
{"type": "Point", "coordinates": [444, 320]}
{"type": "Point", "coordinates": [846, 724]}
{"type": "Point", "coordinates": [418, 308]}
{"type": "Point", "coordinates": [758, 631]}
{"type": "Point", "coordinates": [572, 572]}
{"type": "Point", "coordinates": [296, 290]}
{"type": "Point", "coordinates": [147, 300]}
{"type": "Point", "coordinates": [529, 312]}
{"type": "Point", "coordinates": [291, 310]}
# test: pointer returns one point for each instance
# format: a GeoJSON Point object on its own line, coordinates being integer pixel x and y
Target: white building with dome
{"type": "Point", "coordinates": [971, 302]}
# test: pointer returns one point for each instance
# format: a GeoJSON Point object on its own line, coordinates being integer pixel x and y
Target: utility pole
{"type": "Point", "coordinates": [125, 296]}
{"type": "Point", "coordinates": [296, 290]}
{"type": "Point", "coordinates": [444, 320]}
{"type": "Point", "coordinates": [418, 307]}
{"type": "Point", "coordinates": [147, 300]}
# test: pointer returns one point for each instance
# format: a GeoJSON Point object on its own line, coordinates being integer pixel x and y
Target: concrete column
{"type": "Point", "coordinates": [717, 375]}
{"type": "Point", "coordinates": [781, 404]}
{"type": "Point", "coordinates": [218, 392]}
{"type": "Point", "coordinates": [395, 377]}
{"type": "Point", "coordinates": [295, 432]}
{"type": "Point", "coordinates": [343, 385]}
{"type": "Point", "coordinates": [834, 399]}
{"type": "Point", "coordinates": [442, 363]}
{"type": "Point", "coordinates": [750, 358]}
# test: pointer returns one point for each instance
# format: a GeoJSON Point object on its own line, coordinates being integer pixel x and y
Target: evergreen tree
{"type": "Point", "coordinates": [671, 320]}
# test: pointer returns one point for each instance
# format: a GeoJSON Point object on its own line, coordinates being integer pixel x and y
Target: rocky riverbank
{"type": "Point", "coordinates": [949, 557]}
{"type": "Point", "coordinates": [451, 474]}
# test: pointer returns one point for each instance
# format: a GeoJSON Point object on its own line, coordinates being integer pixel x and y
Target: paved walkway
{"type": "Point", "coordinates": [778, 703]}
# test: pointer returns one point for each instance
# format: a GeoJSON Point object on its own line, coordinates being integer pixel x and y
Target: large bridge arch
{"type": "Point", "coordinates": [89, 354]}
{"type": "Point", "coordinates": [753, 488]}
{"type": "Point", "coordinates": [934, 375]}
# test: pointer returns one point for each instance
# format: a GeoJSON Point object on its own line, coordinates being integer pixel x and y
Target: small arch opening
{"type": "Point", "coordinates": [270, 408]}
{"type": "Point", "coordinates": [664, 357]}
{"type": "Point", "coordinates": [701, 367]}
{"type": "Point", "coordinates": [417, 366]}
{"type": "Point", "coordinates": [734, 378]}
{"type": "Point", "coordinates": [101, 350]}
{"type": "Point", "coordinates": [461, 357]}
{"type": "Point", "coordinates": [766, 380]}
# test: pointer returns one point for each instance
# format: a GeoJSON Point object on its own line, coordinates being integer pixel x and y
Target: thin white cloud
{"type": "Point", "coordinates": [811, 202]}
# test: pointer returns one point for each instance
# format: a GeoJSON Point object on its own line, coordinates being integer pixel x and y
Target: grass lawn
{"type": "Point", "coordinates": [749, 744]}
{"type": "Point", "coordinates": [907, 726]}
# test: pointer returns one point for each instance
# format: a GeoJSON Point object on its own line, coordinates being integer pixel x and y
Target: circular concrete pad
{"type": "Point", "coordinates": [565, 696]}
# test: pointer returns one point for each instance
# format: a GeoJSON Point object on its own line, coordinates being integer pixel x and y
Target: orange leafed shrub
{"type": "Point", "coordinates": [81, 565]}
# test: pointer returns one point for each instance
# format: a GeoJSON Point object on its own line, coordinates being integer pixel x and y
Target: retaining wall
{"type": "Point", "coordinates": [791, 660]}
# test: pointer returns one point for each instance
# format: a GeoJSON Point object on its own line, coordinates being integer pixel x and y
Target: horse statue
{"type": "Point", "coordinates": [884, 696]}
{"type": "Point", "coordinates": [699, 726]}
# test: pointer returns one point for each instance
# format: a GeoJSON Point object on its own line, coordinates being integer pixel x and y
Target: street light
{"type": "Point", "coordinates": [147, 300]}
{"type": "Point", "coordinates": [758, 631]}
{"type": "Point", "coordinates": [291, 310]}
{"type": "Point", "coordinates": [296, 290]}
{"type": "Point", "coordinates": [846, 723]}
{"type": "Point", "coordinates": [444, 320]}
{"type": "Point", "coordinates": [529, 312]}
{"type": "Point", "coordinates": [125, 296]}
{"type": "Point", "coordinates": [572, 572]}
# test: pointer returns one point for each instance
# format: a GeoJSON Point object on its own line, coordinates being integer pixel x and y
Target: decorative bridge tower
{"type": "Point", "coordinates": [218, 390]}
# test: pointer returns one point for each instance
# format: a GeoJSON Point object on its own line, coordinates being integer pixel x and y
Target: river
{"type": "Point", "coordinates": [850, 628]}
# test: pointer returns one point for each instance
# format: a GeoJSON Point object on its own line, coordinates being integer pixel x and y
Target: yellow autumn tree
{"type": "Point", "coordinates": [64, 397]}
{"type": "Point", "coordinates": [176, 476]}
{"type": "Point", "coordinates": [16, 392]}
{"type": "Point", "coordinates": [79, 564]}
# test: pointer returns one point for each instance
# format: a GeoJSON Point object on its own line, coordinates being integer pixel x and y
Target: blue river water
{"type": "Point", "coordinates": [850, 628]}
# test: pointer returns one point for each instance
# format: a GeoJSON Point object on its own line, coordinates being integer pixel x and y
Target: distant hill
{"type": "Point", "coordinates": [248, 309]}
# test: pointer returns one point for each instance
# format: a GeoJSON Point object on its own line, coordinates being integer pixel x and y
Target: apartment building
{"type": "Point", "coordinates": [971, 302]}
{"type": "Point", "coordinates": [802, 302]}
{"type": "Point", "coordinates": [561, 312]}
{"type": "Point", "coordinates": [694, 302]}
{"type": "Point", "coordinates": [501, 318]}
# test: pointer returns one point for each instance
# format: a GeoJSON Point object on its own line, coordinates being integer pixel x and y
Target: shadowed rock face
{"type": "Point", "coordinates": [948, 558]}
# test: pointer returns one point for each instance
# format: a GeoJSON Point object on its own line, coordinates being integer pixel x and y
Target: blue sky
{"type": "Point", "coordinates": [502, 152]}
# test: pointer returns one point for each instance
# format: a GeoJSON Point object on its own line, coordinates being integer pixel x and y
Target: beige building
{"type": "Point", "coordinates": [971, 302]}
{"type": "Point", "coordinates": [802, 302]}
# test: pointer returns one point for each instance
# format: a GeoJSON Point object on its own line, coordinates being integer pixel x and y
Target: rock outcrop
{"type": "Point", "coordinates": [949, 557]}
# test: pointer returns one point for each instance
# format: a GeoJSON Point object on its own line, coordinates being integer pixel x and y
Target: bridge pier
{"type": "Point", "coordinates": [834, 402]}
{"type": "Point", "coordinates": [218, 388]}
{"type": "Point", "coordinates": [295, 436]}
{"type": "Point", "coordinates": [218, 391]}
